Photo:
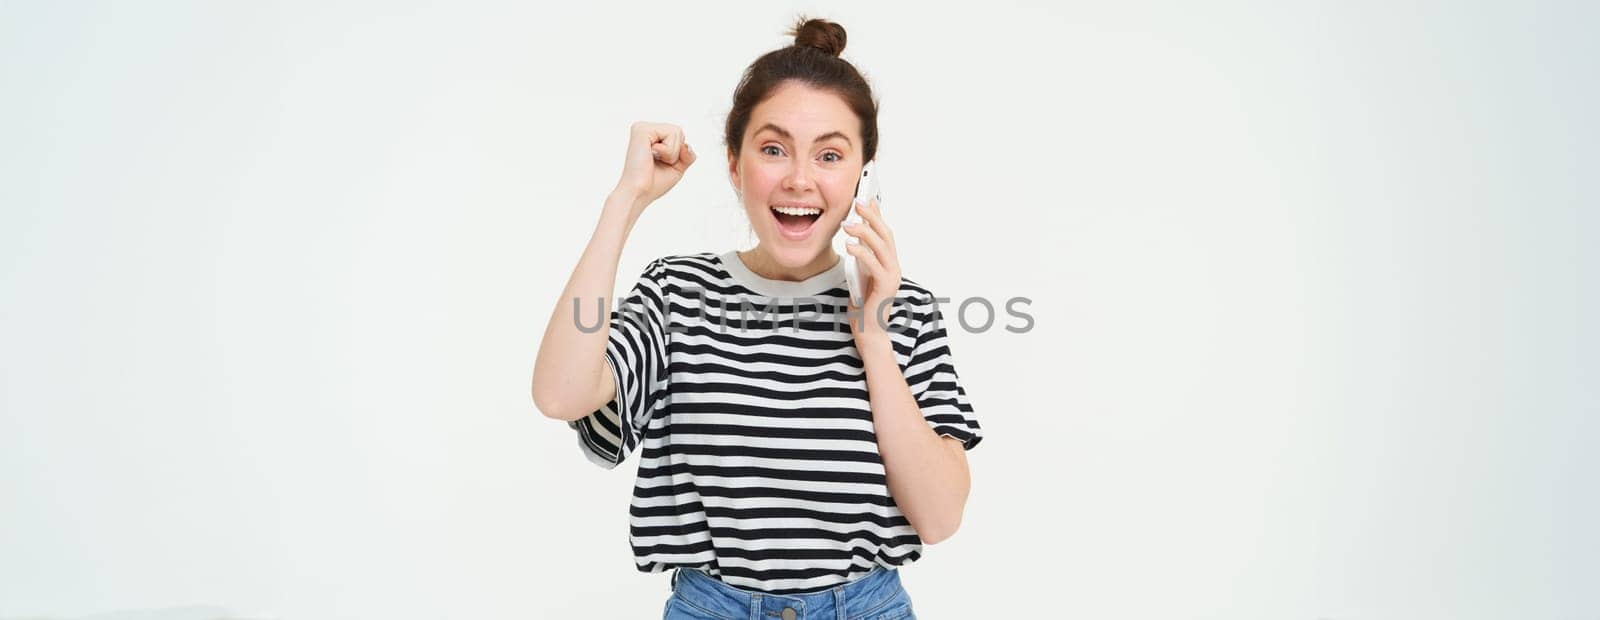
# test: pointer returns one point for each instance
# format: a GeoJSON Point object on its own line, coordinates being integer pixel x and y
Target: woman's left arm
{"type": "Point", "coordinates": [927, 472]}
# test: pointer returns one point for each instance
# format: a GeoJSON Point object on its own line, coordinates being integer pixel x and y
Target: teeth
{"type": "Point", "coordinates": [797, 210]}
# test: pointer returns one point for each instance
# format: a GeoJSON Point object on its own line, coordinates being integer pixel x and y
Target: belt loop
{"type": "Point", "coordinates": [839, 603]}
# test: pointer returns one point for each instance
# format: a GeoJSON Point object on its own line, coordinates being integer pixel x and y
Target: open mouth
{"type": "Point", "coordinates": [795, 221]}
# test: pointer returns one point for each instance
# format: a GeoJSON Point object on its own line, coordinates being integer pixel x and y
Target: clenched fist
{"type": "Point", "coordinates": [657, 156]}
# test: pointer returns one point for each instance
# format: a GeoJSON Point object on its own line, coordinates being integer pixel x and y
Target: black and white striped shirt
{"type": "Point", "coordinates": [760, 464]}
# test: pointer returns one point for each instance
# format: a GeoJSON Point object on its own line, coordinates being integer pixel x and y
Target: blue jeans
{"type": "Point", "coordinates": [874, 596]}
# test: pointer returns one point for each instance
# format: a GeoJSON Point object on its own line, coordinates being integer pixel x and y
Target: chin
{"type": "Point", "coordinates": [794, 256]}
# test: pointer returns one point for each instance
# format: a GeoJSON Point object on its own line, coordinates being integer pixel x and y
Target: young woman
{"type": "Point", "coordinates": [797, 448]}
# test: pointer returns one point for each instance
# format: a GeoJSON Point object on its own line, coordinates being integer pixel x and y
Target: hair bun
{"type": "Point", "coordinates": [819, 33]}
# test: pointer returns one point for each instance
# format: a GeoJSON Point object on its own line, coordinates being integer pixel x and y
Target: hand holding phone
{"type": "Point", "coordinates": [866, 191]}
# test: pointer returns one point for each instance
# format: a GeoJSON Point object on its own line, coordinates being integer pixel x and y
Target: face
{"type": "Point", "coordinates": [796, 172]}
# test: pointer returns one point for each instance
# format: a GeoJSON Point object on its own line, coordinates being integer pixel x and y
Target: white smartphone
{"type": "Point", "coordinates": [866, 191]}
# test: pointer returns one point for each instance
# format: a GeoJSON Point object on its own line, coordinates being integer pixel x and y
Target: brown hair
{"type": "Point", "coordinates": [813, 59]}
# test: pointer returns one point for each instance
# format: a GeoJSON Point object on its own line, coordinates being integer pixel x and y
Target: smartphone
{"type": "Point", "coordinates": [866, 191]}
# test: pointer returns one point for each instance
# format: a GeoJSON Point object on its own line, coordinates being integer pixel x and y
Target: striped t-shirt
{"type": "Point", "coordinates": [760, 464]}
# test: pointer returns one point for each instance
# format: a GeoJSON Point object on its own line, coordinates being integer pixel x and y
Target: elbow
{"type": "Point", "coordinates": [938, 536]}
{"type": "Point", "coordinates": [553, 407]}
{"type": "Point", "coordinates": [941, 532]}
{"type": "Point", "coordinates": [557, 410]}
{"type": "Point", "coordinates": [560, 394]}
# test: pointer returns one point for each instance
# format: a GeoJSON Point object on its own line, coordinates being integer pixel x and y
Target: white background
{"type": "Point", "coordinates": [1308, 279]}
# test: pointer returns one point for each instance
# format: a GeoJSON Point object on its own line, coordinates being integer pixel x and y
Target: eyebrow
{"type": "Point", "coordinates": [787, 136]}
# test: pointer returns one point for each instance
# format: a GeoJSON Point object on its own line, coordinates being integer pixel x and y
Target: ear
{"type": "Point", "coordinates": [733, 171]}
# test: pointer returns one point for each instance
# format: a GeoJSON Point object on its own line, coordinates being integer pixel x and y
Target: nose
{"type": "Point", "coordinates": [799, 178]}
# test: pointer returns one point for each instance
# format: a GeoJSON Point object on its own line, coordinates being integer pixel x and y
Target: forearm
{"type": "Point", "coordinates": [570, 372]}
{"type": "Point", "coordinates": [927, 473]}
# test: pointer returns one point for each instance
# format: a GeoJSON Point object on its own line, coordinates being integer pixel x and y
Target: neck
{"type": "Point", "coordinates": [761, 263]}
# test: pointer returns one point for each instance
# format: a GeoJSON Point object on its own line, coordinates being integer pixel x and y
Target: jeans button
{"type": "Point", "coordinates": [788, 613]}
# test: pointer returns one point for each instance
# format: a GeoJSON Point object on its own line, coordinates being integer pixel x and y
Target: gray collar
{"type": "Point", "coordinates": [813, 286]}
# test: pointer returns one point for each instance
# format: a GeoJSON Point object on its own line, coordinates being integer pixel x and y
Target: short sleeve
{"type": "Point", "coordinates": [636, 354]}
{"type": "Point", "coordinates": [931, 374]}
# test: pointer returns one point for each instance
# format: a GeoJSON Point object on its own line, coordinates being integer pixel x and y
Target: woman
{"type": "Point", "coordinates": [796, 451]}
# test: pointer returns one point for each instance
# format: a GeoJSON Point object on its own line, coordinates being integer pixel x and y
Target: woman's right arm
{"type": "Point", "coordinates": [570, 377]}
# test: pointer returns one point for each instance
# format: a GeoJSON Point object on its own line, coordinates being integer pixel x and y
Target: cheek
{"type": "Point", "coordinates": [758, 186]}
{"type": "Point", "coordinates": [839, 190]}
{"type": "Point", "coordinates": [760, 181]}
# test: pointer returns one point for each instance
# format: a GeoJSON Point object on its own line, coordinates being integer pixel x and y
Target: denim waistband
{"type": "Point", "coordinates": [852, 599]}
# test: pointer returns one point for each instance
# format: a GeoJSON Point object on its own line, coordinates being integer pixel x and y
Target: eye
{"type": "Point", "coordinates": [771, 149]}
{"type": "Point", "coordinates": [836, 157]}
